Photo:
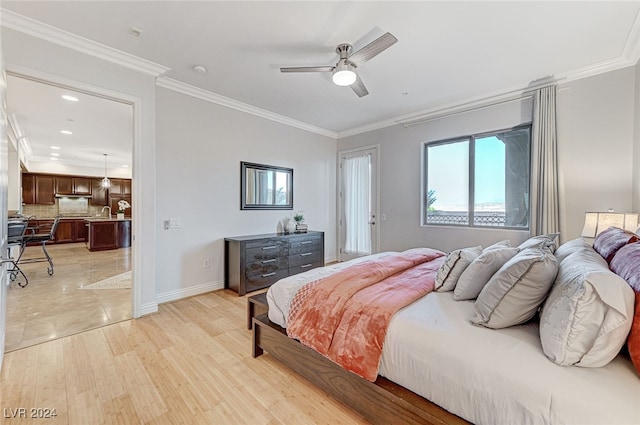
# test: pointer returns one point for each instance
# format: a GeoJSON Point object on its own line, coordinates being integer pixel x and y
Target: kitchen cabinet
{"type": "Point", "coordinates": [38, 189]}
{"type": "Point", "coordinates": [105, 234]}
{"type": "Point", "coordinates": [67, 185]}
{"type": "Point", "coordinates": [70, 230]}
{"type": "Point", "coordinates": [99, 195]}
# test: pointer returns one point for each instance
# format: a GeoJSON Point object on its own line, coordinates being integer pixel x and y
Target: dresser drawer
{"type": "Point", "coordinates": [305, 258]}
{"type": "Point", "coordinates": [267, 266]}
{"type": "Point", "coordinates": [304, 267]}
{"type": "Point", "coordinates": [263, 280]}
{"type": "Point", "coordinates": [308, 244]}
{"type": "Point", "coordinates": [267, 252]}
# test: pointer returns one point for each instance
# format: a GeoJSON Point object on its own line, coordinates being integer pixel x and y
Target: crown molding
{"type": "Point", "coordinates": [631, 49]}
{"type": "Point", "coordinates": [189, 90]}
{"type": "Point", "coordinates": [14, 21]}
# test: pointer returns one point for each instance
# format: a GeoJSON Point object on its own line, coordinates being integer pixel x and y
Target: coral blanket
{"type": "Point", "coordinates": [345, 316]}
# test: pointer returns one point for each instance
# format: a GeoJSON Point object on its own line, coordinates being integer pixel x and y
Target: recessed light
{"type": "Point", "coordinates": [55, 147]}
{"type": "Point", "coordinates": [125, 166]}
{"type": "Point", "coordinates": [54, 154]}
{"type": "Point", "coordinates": [200, 69]}
{"type": "Point", "coordinates": [69, 98]}
{"type": "Point", "coordinates": [53, 159]}
{"type": "Point", "coordinates": [66, 132]}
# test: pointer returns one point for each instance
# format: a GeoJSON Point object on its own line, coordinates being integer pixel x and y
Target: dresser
{"type": "Point", "coordinates": [258, 261]}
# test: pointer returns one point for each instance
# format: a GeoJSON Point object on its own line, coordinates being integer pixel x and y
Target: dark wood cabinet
{"type": "Point", "coordinates": [38, 189]}
{"type": "Point", "coordinates": [113, 203]}
{"type": "Point", "coordinates": [64, 185]}
{"type": "Point", "coordinates": [68, 185]}
{"type": "Point", "coordinates": [108, 234]}
{"type": "Point", "coordinates": [82, 186]}
{"type": "Point", "coordinates": [99, 195]}
{"type": "Point", "coordinates": [258, 261]}
{"type": "Point", "coordinates": [70, 230]}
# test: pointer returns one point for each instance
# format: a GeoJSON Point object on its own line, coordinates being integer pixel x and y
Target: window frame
{"type": "Point", "coordinates": [471, 139]}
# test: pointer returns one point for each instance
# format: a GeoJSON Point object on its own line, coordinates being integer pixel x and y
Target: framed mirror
{"type": "Point", "coordinates": [265, 187]}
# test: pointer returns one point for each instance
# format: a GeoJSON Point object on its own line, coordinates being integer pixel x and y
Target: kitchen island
{"type": "Point", "coordinates": [105, 233]}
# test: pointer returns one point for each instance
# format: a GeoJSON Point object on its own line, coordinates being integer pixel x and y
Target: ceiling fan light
{"type": "Point", "coordinates": [343, 75]}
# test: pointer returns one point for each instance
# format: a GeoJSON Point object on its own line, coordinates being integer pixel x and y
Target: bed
{"type": "Point", "coordinates": [437, 367]}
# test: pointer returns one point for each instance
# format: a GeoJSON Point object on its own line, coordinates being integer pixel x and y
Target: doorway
{"type": "Point", "coordinates": [88, 289]}
{"type": "Point", "coordinates": [358, 203]}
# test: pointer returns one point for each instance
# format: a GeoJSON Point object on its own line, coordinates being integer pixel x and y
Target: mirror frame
{"type": "Point", "coordinates": [243, 187]}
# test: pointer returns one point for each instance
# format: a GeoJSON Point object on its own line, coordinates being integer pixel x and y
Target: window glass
{"type": "Point", "coordinates": [489, 172]}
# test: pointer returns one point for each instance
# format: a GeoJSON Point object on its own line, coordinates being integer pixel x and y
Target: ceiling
{"type": "Point", "coordinates": [448, 53]}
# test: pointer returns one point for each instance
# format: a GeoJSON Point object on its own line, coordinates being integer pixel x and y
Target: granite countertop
{"type": "Point", "coordinates": [98, 219]}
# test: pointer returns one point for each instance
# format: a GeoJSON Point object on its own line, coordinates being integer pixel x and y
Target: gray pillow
{"type": "Point", "coordinates": [453, 266]}
{"type": "Point", "coordinates": [499, 245]}
{"type": "Point", "coordinates": [474, 277]}
{"type": "Point", "coordinates": [514, 293]}
{"type": "Point", "coordinates": [541, 241]}
{"type": "Point", "coordinates": [569, 248]}
{"type": "Point", "coordinates": [588, 313]}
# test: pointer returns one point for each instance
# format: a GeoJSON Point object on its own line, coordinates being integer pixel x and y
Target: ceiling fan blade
{"type": "Point", "coordinates": [359, 88]}
{"type": "Point", "coordinates": [372, 49]}
{"type": "Point", "coordinates": [308, 69]}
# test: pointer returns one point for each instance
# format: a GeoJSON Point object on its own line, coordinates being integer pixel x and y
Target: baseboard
{"type": "Point", "coordinates": [166, 297]}
{"type": "Point", "coordinates": [148, 308]}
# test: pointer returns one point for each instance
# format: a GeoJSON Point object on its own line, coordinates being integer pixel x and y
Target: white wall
{"type": "Point", "coordinates": [35, 57]}
{"type": "Point", "coordinates": [595, 147]}
{"type": "Point", "coordinates": [400, 176]}
{"type": "Point", "coordinates": [636, 145]}
{"type": "Point", "coordinates": [595, 144]}
{"type": "Point", "coordinates": [199, 149]}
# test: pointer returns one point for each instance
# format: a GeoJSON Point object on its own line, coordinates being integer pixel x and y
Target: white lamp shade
{"type": "Point", "coordinates": [597, 222]}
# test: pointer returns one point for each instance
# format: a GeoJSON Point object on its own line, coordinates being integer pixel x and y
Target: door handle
{"type": "Point", "coordinates": [372, 222]}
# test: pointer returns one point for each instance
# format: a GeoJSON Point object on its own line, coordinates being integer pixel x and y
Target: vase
{"type": "Point", "coordinates": [120, 216]}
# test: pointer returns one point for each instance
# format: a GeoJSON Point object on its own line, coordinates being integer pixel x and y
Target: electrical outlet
{"type": "Point", "coordinates": [205, 263]}
{"type": "Point", "coordinates": [383, 216]}
{"type": "Point", "coordinates": [166, 224]}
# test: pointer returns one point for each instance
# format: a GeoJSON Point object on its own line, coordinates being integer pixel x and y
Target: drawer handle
{"type": "Point", "coordinates": [268, 261]}
{"type": "Point", "coordinates": [269, 247]}
{"type": "Point", "coordinates": [304, 254]}
{"type": "Point", "coordinates": [270, 274]}
{"type": "Point", "coordinates": [304, 266]}
{"type": "Point", "coordinates": [305, 242]}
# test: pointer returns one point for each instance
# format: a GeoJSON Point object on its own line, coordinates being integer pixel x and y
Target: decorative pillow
{"type": "Point", "coordinates": [474, 277]}
{"type": "Point", "coordinates": [611, 240]}
{"type": "Point", "coordinates": [626, 264]}
{"type": "Point", "coordinates": [550, 241]}
{"type": "Point", "coordinates": [513, 295]}
{"type": "Point", "coordinates": [588, 313]}
{"type": "Point", "coordinates": [453, 266]}
{"type": "Point", "coordinates": [499, 245]}
{"type": "Point", "coordinates": [569, 248]}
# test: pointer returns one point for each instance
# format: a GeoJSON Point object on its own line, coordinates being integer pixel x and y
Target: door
{"type": "Point", "coordinates": [358, 203]}
{"type": "Point", "coordinates": [4, 167]}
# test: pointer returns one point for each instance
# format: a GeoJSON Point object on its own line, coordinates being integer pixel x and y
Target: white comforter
{"type": "Point", "coordinates": [487, 376]}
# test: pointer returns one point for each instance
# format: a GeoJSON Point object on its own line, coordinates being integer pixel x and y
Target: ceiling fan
{"type": "Point", "coordinates": [344, 72]}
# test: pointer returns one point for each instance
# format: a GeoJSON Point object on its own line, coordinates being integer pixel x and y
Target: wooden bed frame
{"type": "Point", "coordinates": [379, 402]}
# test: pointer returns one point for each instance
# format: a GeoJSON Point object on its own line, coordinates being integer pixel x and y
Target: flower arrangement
{"type": "Point", "coordinates": [299, 218]}
{"type": "Point", "coordinates": [123, 205]}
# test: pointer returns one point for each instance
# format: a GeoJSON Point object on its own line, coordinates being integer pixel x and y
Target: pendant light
{"type": "Point", "coordinates": [105, 183]}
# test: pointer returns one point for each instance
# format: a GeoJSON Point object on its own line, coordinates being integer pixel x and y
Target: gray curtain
{"type": "Point", "coordinates": [545, 215]}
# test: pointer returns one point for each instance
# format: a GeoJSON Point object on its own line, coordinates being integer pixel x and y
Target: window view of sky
{"type": "Point", "coordinates": [448, 175]}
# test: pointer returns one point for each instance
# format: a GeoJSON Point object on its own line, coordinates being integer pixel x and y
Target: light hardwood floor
{"type": "Point", "coordinates": [190, 363]}
{"type": "Point", "coordinates": [51, 307]}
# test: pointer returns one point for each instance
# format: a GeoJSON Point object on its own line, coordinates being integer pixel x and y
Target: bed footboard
{"type": "Point", "coordinates": [380, 402]}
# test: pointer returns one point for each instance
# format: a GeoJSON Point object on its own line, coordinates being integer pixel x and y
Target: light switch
{"type": "Point", "coordinates": [174, 223]}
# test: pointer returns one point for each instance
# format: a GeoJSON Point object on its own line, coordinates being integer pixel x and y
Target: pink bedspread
{"type": "Point", "coordinates": [345, 316]}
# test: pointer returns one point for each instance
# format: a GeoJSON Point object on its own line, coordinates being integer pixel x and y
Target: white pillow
{"type": "Point", "coordinates": [569, 248]}
{"type": "Point", "coordinates": [514, 293]}
{"type": "Point", "coordinates": [474, 277]}
{"type": "Point", "coordinates": [453, 266]}
{"type": "Point", "coordinates": [588, 313]}
{"type": "Point", "coordinates": [541, 241]}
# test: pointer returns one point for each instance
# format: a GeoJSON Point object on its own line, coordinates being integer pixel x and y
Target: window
{"type": "Point", "coordinates": [480, 180]}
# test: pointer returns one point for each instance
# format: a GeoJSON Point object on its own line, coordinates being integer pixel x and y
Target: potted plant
{"type": "Point", "coordinates": [122, 206]}
{"type": "Point", "coordinates": [300, 226]}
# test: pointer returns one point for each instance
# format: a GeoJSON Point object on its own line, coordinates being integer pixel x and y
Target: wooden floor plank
{"type": "Point", "coordinates": [190, 364]}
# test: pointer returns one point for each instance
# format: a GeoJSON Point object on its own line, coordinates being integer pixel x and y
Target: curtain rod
{"type": "Point", "coordinates": [528, 94]}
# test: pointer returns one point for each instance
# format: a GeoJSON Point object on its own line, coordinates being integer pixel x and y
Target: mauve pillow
{"type": "Point", "coordinates": [611, 240]}
{"type": "Point", "coordinates": [626, 264]}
